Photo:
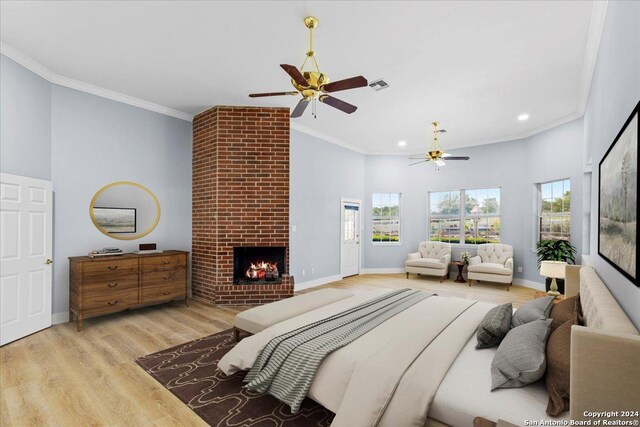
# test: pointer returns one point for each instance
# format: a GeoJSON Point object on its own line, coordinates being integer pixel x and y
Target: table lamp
{"type": "Point", "coordinates": [554, 270]}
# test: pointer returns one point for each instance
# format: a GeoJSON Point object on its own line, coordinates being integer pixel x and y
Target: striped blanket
{"type": "Point", "coordinates": [287, 365]}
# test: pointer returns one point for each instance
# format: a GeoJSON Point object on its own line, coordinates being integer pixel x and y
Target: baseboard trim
{"type": "Point", "coordinates": [316, 282]}
{"type": "Point", "coordinates": [57, 318]}
{"type": "Point", "coordinates": [529, 283]}
{"type": "Point", "coordinates": [382, 270]}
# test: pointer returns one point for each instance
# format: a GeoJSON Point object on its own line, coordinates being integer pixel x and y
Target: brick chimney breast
{"type": "Point", "coordinates": [240, 199]}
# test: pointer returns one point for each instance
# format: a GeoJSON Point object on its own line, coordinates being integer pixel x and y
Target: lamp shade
{"type": "Point", "coordinates": [552, 269]}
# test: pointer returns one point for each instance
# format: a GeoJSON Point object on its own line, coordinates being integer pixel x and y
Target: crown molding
{"type": "Point", "coordinates": [44, 72]}
{"type": "Point", "coordinates": [516, 137]}
{"type": "Point", "coordinates": [598, 15]}
{"type": "Point", "coordinates": [327, 138]}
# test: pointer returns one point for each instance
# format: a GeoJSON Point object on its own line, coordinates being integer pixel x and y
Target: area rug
{"type": "Point", "coordinates": [190, 372]}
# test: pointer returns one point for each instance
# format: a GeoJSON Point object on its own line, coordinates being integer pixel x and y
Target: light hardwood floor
{"type": "Point", "coordinates": [61, 377]}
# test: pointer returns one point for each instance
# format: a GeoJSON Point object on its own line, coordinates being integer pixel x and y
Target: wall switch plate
{"type": "Point", "coordinates": [294, 228]}
{"type": "Point", "coordinates": [303, 272]}
{"type": "Point", "coordinates": [519, 269]}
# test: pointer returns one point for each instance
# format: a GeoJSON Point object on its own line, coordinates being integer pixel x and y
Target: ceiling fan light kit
{"type": "Point", "coordinates": [314, 85]}
{"type": "Point", "coordinates": [436, 154]}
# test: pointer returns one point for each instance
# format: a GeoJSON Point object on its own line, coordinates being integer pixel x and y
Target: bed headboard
{"type": "Point", "coordinates": [599, 307]}
{"type": "Point", "coordinates": [604, 354]}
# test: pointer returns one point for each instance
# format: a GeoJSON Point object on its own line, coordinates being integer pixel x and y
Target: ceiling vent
{"type": "Point", "coordinates": [378, 85]}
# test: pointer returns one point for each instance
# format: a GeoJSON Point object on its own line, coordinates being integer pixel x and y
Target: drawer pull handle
{"type": "Point", "coordinates": [167, 277]}
{"type": "Point", "coordinates": [112, 302]}
{"type": "Point", "coordinates": [166, 262]}
{"type": "Point", "coordinates": [112, 285]}
{"type": "Point", "coordinates": [112, 268]}
{"type": "Point", "coordinates": [166, 293]}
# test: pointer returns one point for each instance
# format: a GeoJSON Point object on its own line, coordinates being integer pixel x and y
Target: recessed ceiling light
{"type": "Point", "coordinates": [402, 143]}
{"type": "Point", "coordinates": [523, 117]}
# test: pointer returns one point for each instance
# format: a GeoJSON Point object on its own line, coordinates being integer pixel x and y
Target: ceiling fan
{"type": "Point", "coordinates": [435, 153]}
{"type": "Point", "coordinates": [315, 85]}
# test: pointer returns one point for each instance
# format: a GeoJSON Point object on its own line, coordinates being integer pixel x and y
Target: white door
{"type": "Point", "coordinates": [350, 238]}
{"type": "Point", "coordinates": [25, 256]}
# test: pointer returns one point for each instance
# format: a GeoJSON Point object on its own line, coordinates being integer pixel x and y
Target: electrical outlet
{"type": "Point", "coordinates": [303, 272]}
{"type": "Point", "coordinates": [519, 269]}
{"type": "Point", "coordinates": [313, 271]}
{"type": "Point", "coordinates": [294, 228]}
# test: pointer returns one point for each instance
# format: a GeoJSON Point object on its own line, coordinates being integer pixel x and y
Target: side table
{"type": "Point", "coordinates": [460, 266]}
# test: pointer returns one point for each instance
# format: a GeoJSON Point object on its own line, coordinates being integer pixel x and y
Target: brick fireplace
{"type": "Point", "coordinates": [241, 205]}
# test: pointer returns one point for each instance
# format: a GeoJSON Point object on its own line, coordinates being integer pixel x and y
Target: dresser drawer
{"type": "Point", "coordinates": [109, 269]}
{"type": "Point", "coordinates": [110, 285]}
{"type": "Point", "coordinates": [161, 263]}
{"type": "Point", "coordinates": [110, 302]}
{"type": "Point", "coordinates": [99, 286]}
{"type": "Point", "coordinates": [164, 292]}
{"type": "Point", "coordinates": [155, 278]}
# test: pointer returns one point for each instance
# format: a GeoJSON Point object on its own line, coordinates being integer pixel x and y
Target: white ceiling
{"type": "Point", "coordinates": [475, 66]}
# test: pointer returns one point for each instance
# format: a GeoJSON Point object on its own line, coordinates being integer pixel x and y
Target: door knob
{"type": "Point", "coordinates": [48, 261]}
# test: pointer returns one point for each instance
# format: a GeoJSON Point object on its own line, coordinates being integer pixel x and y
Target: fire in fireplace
{"type": "Point", "coordinates": [263, 270]}
{"type": "Point", "coordinates": [255, 265]}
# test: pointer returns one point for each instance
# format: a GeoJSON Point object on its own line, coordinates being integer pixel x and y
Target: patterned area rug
{"type": "Point", "coordinates": [190, 372]}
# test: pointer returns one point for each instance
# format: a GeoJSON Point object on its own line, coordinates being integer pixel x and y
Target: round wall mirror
{"type": "Point", "coordinates": [125, 210]}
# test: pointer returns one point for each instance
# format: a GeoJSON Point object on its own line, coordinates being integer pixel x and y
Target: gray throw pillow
{"type": "Point", "coordinates": [494, 326]}
{"type": "Point", "coordinates": [520, 359]}
{"type": "Point", "coordinates": [537, 309]}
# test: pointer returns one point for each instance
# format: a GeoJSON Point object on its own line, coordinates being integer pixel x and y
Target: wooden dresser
{"type": "Point", "coordinates": [105, 285]}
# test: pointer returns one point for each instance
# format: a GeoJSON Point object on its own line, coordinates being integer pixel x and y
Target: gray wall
{"type": "Point", "coordinates": [551, 155]}
{"type": "Point", "coordinates": [615, 90]}
{"type": "Point", "coordinates": [321, 173]}
{"type": "Point", "coordinates": [25, 121]}
{"type": "Point", "coordinates": [82, 142]}
{"type": "Point", "coordinates": [514, 166]}
{"type": "Point", "coordinates": [97, 141]}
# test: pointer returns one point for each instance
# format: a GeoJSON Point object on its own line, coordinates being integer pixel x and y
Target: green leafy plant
{"type": "Point", "coordinates": [556, 250]}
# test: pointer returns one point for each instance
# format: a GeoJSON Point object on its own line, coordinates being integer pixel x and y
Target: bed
{"type": "Point", "coordinates": [421, 368]}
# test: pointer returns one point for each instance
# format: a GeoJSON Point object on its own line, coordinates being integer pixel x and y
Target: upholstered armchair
{"type": "Point", "coordinates": [432, 259]}
{"type": "Point", "coordinates": [494, 263]}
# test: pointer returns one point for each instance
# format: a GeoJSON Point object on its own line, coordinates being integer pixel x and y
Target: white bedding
{"type": "Point", "coordinates": [465, 393]}
{"type": "Point", "coordinates": [406, 358]}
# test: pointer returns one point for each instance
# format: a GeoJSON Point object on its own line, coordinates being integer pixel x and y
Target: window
{"type": "Point", "coordinates": [386, 218]}
{"type": "Point", "coordinates": [465, 216]}
{"type": "Point", "coordinates": [350, 222]}
{"type": "Point", "coordinates": [444, 216]}
{"type": "Point", "coordinates": [554, 210]}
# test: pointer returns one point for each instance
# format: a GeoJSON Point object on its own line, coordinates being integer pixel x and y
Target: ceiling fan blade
{"type": "Point", "coordinates": [336, 103]}
{"type": "Point", "coordinates": [351, 83]}
{"type": "Point", "coordinates": [260, 95]}
{"type": "Point", "coordinates": [299, 110]}
{"type": "Point", "coordinates": [418, 158]}
{"type": "Point", "coordinates": [457, 158]}
{"type": "Point", "coordinates": [295, 74]}
{"type": "Point", "coordinates": [415, 163]}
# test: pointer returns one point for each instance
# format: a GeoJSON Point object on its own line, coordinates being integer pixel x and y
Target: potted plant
{"type": "Point", "coordinates": [556, 250]}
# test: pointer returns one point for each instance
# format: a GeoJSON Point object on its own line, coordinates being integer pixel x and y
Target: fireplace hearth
{"type": "Point", "coordinates": [258, 265]}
